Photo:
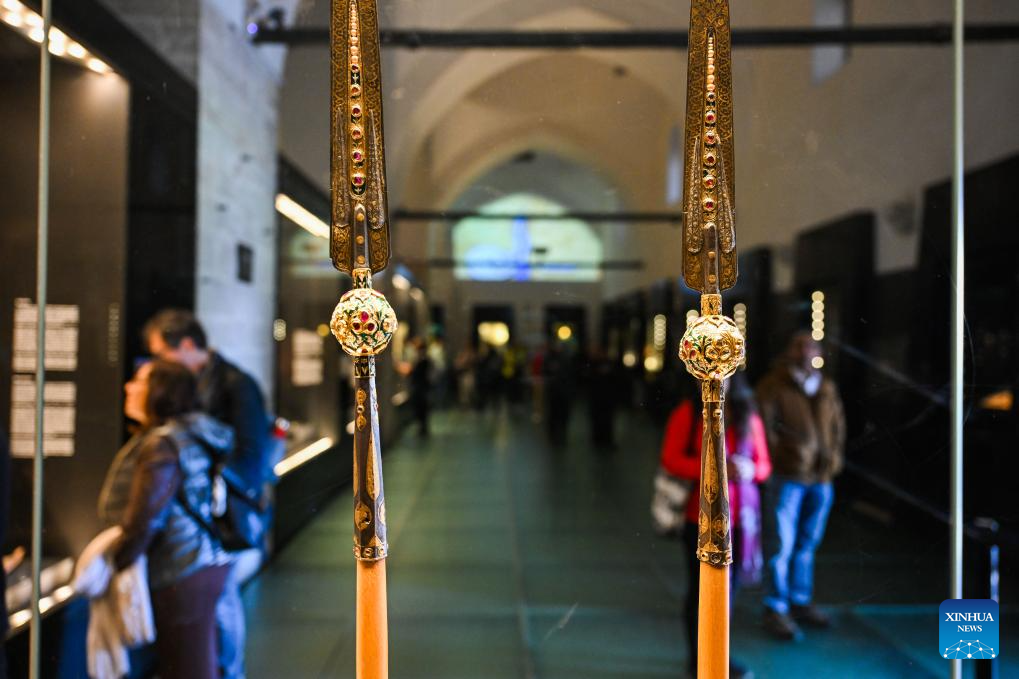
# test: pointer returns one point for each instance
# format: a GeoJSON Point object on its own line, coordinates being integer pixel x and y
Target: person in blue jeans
{"type": "Point", "coordinates": [806, 428]}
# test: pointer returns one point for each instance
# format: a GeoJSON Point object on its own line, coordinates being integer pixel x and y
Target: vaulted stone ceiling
{"type": "Point", "coordinates": [806, 150]}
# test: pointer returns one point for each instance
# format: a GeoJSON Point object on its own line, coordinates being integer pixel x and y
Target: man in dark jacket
{"type": "Point", "coordinates": [806, 427]}
{"type": "Point", "coordinates": [231, 396]}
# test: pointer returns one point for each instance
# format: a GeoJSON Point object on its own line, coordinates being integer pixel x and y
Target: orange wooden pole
{"type": "Point", "coordinates": [372, 643]}
{"type": "Point", "coordinates": [713, 624]}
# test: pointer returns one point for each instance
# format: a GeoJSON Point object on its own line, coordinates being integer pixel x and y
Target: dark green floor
{"type": "Point", "coordinates": [509, 559]}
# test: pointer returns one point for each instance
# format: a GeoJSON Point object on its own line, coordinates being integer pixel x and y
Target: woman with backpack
{"type": "Point", "coordinates": [748, 464]}
{"type": "Point", "coordinates": [159, 491]}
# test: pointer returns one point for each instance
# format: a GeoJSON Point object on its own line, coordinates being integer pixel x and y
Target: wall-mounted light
{"type": "Point", "coordinates": [660, 329]}
{"type": "Point", "coordinates": [817, 317]}
{"type": "Point", "coordinates": [298, 214]}
{"type": "Point", "coordinates": [739, 316]}
{"type": "Point", "coordinates": [279, 330]}
{"type": "Point", "coordinates": [653, 363]}
{"type": "Point", "coordinates": [30, 24]}
{"type": "Point", "coordinates": [494, 333]}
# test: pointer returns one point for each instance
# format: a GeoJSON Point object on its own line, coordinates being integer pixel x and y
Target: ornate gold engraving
{"type": "Point", "coordinates": [709, 173]}
{"type": "Point", "coordinates": [364, 322]}
{"type": "Point", "coordinates": [358, 173]}
{"type": "Point", "coordinates": [712, 348]}
{"type": "Point", "coordinates": [362, 516]}
{"type": "Point", "coordinates": [371, 480]}
{"type": "Point", "coordinates": [361, 421]}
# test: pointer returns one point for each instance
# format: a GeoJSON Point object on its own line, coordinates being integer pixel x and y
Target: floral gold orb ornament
{"type": "Point", "coordinates": [712, 348]}
{"type": "Point", "coordinates": [364, 322]}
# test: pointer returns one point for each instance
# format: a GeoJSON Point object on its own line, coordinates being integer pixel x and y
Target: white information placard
{"type": "Point", "coordinates": [61, 336]}
{"type": "Point", "coordinates": [307, 366]}
{"type": "Point", "coordinates": [59, 417]}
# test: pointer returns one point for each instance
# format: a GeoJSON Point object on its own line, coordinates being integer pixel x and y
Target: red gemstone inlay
{"type": "Point", "coordinates": [709, 117]}
{"type": "Point", "coordinates": [356, 133]}
{"type": "Point", "coordinates": [710, 137]}
{"type": "Point", "coordinates": [709, 204]}
{"type": "Point", "coordinates": [358, 156]}
{"type": "Point", "coordinates": [356, 111]}
{"type": "Point", "coordinates": [355, 68]}
{"type": "Point", "coordinates": [364, 316]}
{"type": "Point", "coordinates": [358, 180]}
{"type": "Point", "coordinates": [356, 326]}
{"type": "Point", "coordinates": [709, 182]}
{"type": "Point", "coordinates": [709, 159]}
{"type": "Point", "coordinates": [370, 327]}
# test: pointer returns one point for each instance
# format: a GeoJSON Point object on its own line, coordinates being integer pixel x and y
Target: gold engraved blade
{"type": "Point", "coordinates": [709, 236]}
{"type": "Point", "coordinates": [358, 158]}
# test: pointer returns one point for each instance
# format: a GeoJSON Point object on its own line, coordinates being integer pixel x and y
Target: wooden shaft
{"type": "Point", "coordinates": [713, 624]}
{"type": "Point", "coordinates": [372, 621]}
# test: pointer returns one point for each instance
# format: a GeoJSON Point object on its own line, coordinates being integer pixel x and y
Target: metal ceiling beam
{"type": "Point", "coordinates": [455, 216]}
{"type": "Point", "coordinates": [512, 265]}
{"type": "Point", "coordinates": [924, 34]}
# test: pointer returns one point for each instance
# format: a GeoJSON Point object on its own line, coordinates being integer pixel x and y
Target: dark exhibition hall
{"type": "Point", "coordinates": [509, 339]}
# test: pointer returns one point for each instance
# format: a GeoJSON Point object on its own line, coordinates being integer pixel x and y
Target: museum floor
{"type": "Point", "coordinates": [510, 559]}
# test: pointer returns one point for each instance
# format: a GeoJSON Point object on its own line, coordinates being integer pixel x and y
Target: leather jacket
{"type": "Point", "coordinates": [806, 434]}
{"type": "Point", "coordinates": [151, 478]}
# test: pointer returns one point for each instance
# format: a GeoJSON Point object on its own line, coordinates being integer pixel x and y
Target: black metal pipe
{"type": "Point", "coordinates": [929, 34]}
{"type": "Point", "coordinates": [512, 265]}
{"type": "Point", "coordinates": [456, 215]}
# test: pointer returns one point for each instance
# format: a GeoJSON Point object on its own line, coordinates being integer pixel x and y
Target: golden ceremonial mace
{"type": "Point", "coordinates": [363, 321]}
{"type": "Point", "coordinates": [712, 347]}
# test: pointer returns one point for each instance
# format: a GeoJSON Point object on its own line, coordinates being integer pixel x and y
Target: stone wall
{"type": "Point", "coordinates": [238, 85]}
{"type": "Point", "coordinates": [237, 119]}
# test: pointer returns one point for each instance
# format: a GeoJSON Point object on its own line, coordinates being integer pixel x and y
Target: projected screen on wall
{"type": "Point", "coordinates": [526, 248]}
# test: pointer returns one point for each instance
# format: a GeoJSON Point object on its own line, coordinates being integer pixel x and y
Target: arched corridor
{"type": "Point", "coordinates": [520, 220]}
{"type": "Point", "coordinates": [512, 559]}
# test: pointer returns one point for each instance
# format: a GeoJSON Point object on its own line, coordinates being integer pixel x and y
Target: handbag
{"type": "Point", "coordinates": [668, 503]}
{"type": "Point", "coordinates": [670, 497]}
